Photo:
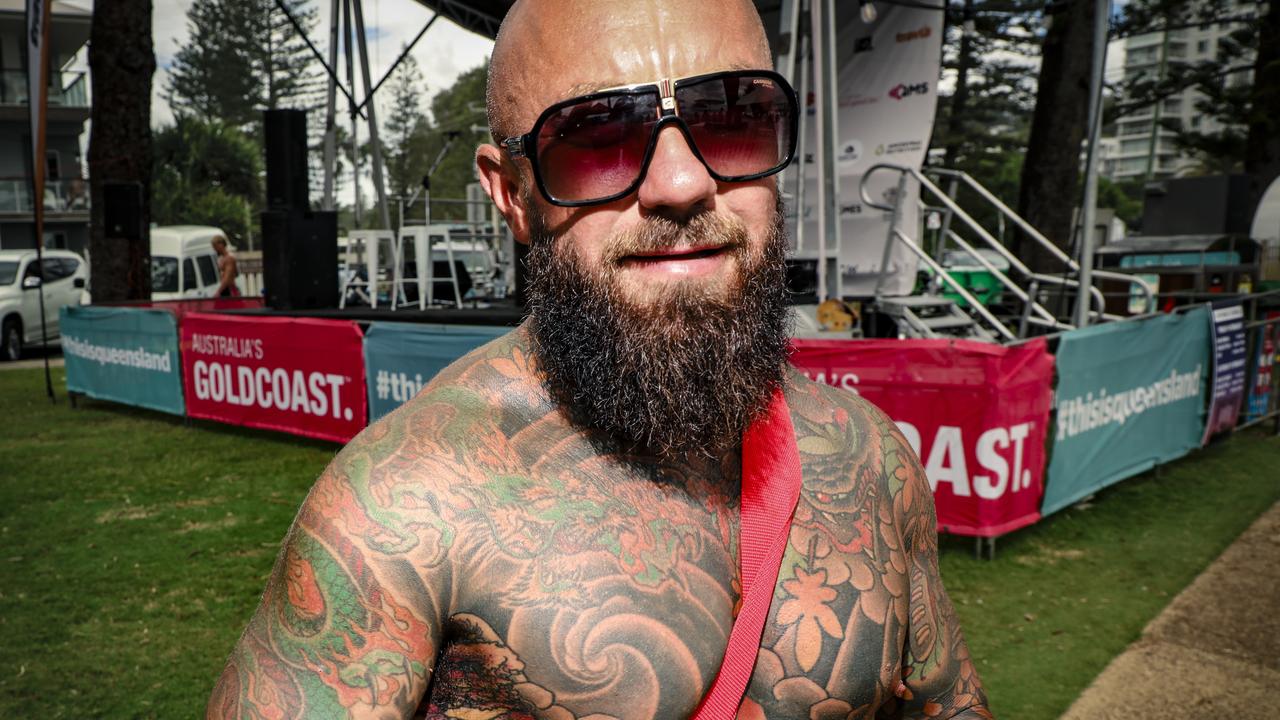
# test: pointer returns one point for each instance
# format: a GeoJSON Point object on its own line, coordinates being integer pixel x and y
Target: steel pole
{"type": "Point", "coordinates": [330, 124]}
{"type": "Point", "coordinates": [1089, 211]}
{"type": "Point", "coordinates": [374, 145]}
{"type": "Point", "coordinates": [801, 145]}
{"type": "Point", "coordinates": [355, 127]}
{"type": "Point", "coordinates": [820, 136]}
{"type": "Point", "coordinates": [832, 108]}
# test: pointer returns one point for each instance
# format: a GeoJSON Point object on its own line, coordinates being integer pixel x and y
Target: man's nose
{"type": "Point", "coordinates": [676, 183]}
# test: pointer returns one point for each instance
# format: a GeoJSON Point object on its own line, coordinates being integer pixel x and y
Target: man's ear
{"type": "Point", "coordinates": [500, 179]}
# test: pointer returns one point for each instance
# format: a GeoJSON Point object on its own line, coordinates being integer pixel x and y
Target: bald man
{"type": "Point", "coordinates": [551, 528]}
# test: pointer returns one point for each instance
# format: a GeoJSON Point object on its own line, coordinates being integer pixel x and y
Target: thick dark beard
{"type": "Point", "coordinates": [684, 376]}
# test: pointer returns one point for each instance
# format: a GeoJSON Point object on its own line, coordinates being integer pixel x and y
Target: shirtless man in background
{"type": "Point", "coordinates": [550, 529]}
{"type": "Point", "coordinates": [227, 270]}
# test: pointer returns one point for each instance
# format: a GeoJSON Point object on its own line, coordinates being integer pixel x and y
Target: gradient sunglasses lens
{"type": "Point", "coordinates": [742, 124]}
{"type": "Point", "coordinates": [595, 148]}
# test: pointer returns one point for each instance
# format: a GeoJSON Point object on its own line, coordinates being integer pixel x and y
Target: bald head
{"type": "Point", "coordinates": [549, 50]}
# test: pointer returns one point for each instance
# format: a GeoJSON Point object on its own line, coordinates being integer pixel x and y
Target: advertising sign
{"type": "Point", "coordinates": [400, 358]}
{"type": "Point", "coordinates": [1230, 365]}
{"type": "Point", "coordinates": [296, 375]}
{"type": "Point", "coordinates": [1130, 395]}
{"type": "Point", "coordinates": [1264, 360]}
{"type": "Point", "coordinates": [124, 355]}
{"type": "Point", "coordinates": [975, 413]}
{"type": "Point", "coordinates": [887, 92]}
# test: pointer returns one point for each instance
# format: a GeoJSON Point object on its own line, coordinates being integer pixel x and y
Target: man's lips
{"type": "Point", "coordinates": [678, 261]}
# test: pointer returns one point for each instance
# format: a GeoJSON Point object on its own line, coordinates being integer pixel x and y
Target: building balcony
{"type": "Point", "coordinates": [66, 89]}
{"type": "Point", "coordinates": [61, 197]}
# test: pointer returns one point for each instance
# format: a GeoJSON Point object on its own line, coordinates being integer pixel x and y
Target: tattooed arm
{"type": "Point", "coordinates": [346, 627]}
{"type": "Point", "coordinates": [938, 675]}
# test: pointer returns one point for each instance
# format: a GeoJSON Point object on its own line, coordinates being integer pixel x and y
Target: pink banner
{"type": "Point", "coordinates": [296, 375]}
{"type": "Point", "coordinates": [975, 413]}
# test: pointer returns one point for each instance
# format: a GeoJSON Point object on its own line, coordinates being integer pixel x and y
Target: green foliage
{"type": "Point", "coordinates": [986, 113]}
{"type": "Point", "coordinates": [243, 57]}
{"type": "Point", "coordinates": [206, 173]}
{"type": "Point", "coordinates": [982, 124]}
{"type": "Point", "coordinates": [1123, 197]}
{"type": "Point", "coordinates": [404, 168]}
{"type": "Point", "coordinates": [453, 110]}
{"type": "Point", "coordinates": [136, 547]}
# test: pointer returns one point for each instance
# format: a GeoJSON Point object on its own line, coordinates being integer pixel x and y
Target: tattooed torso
{"type": "Point", "coordinates": [474, 555]}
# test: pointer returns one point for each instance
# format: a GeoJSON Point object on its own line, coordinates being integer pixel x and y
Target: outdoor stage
{"type": "Point", "coordinates": [1006, 433]}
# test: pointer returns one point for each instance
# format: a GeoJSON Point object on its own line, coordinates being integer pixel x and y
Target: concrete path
{"type": "Point", "coordinates": [1214, 652]}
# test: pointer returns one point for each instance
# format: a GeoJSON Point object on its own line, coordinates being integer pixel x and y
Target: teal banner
{"type": "Point", "coordinates": [1130, 395]}
{"type": "Point", "coordinates": [127, 355]}
{"type": "Point", "coordinates": [400, 358]}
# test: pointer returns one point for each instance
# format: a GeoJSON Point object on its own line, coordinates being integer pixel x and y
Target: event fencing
{"type": "Point", "coordinates": [1006, 434]}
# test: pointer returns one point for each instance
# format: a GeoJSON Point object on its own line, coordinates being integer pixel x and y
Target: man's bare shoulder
{"type": "Point", "coordinates": [851, 450]}
{"type": "Point", "coordinates": [831, 421]}
{"type": "Point", "coordinates": [457, 431]}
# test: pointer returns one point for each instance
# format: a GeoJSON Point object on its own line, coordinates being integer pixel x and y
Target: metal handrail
{"type": "Point", "coordinates": [1005, 210]}
{"type": "Point", "coordinates": [1039, 237]}
{"type": "Point", "coordinates": [973, 224]}
{"type": "Point", "coordinates": [1004, 279]}
{"type": "Point", "coordinates": [1095, 294]}
{"type": "Point", "coordinates": [946, 277]}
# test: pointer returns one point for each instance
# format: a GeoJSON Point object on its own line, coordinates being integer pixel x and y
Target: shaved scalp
{"type": "Point", "coordinates": [540, 39]}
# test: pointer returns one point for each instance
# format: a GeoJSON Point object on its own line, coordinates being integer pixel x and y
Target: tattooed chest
{"type": "Point", "coordinates": [630, 618]}
{"type": "Point", "coordinates": [615, 604]}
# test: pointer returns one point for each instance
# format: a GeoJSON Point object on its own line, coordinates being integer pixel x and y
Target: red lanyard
{"type": "Point", "coordinates": [770, 489]}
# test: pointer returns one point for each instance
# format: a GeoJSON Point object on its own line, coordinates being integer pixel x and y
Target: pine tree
{"type": "Point", "coordinates": [404, 168]}
{"type": "Point", "coordinates": [982, 123]}
{"type": "Point", "coordinates": [243, 57]}
{"type": "Point", "coordinates": [211, 77]}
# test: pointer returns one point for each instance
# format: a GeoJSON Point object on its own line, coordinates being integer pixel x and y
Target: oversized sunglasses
{"type": "Point", "coordinates": [596, 148]}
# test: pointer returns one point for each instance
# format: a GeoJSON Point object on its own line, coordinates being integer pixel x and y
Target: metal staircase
{"type": "Point", "coordinates": [931, 315]}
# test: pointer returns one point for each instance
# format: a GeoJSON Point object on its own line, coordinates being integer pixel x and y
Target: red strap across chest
{"type": "Point", "coordinates": [770, 489]}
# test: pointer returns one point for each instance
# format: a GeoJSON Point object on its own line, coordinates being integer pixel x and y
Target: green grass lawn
{"type": "Point", "coordinates": [133, 548]}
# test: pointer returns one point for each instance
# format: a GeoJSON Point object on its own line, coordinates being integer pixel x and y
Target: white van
{"type": "Point", "coordinates": [183, 262]}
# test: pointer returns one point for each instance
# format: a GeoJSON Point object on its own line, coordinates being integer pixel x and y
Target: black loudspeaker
{"type": "Point", "coordinates": [1207, 205]}
{"type": "Point", "coordinates": [300, 259]}
{"type": "Point", "coordinates": [122, 210]}
{"type": "Point", "coordinates": [285, 132]}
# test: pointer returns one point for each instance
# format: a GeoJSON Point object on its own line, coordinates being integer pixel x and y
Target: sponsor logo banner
{"type": "Point", "coordinates": [976, 414]}
{"type": "Point", "coordinates": [1264, 361]}
{"type": "Point", "coordinates": [904, 90]}
{"type": "Point", "coordinates": [1230, 365]}
{"type": "Point", "coordinates": [295, 375]}
{"type": "Point", "coordinates": [401, 358]}
{"type": "Point", "coordinates": [125, 355]}
{"type": "Point", "coordinates": [1130, 395]}
{"type": "Point", "coordinates": [886, 98]}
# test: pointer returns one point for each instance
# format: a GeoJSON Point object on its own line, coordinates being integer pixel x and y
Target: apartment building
{"type": "Point", "coordinates": [66, 195]}
{"type": "Point", "coordinates": [1141, 146]}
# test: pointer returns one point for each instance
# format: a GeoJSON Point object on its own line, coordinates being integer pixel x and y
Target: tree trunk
{"type": "Point", "coordinates": [1051, 169]}
{"type": "Point", "coordinates": [1262, 146]}
{"type": "Point", "coordinates": [121, 62]}
{"type": "Point", "coordinates": [960, 99]}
